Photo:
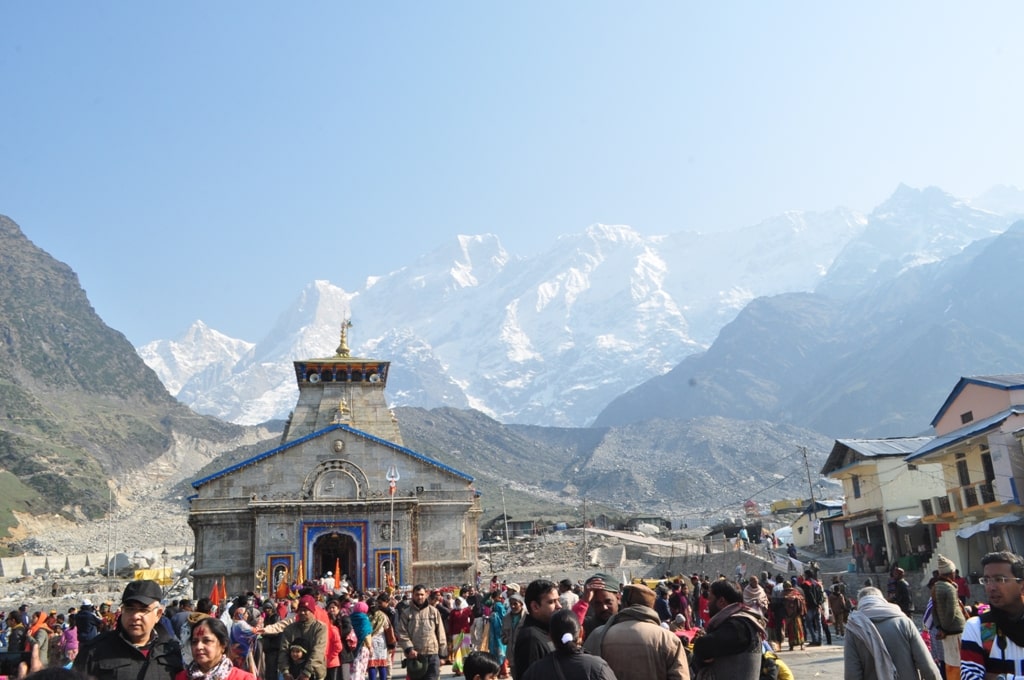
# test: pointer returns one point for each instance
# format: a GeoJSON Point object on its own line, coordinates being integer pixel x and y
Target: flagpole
{"type": "Point", "coordinates": [392, 488]}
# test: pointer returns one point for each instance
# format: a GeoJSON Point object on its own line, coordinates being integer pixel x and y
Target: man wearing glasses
{"type": "Point", "coordinates": [993, 643]}
{"type": "Point", "coordinates": [137, 648]}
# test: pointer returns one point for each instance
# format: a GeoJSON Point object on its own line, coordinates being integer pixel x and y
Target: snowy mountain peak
{"type": "Point", "coordinates": [177, 361]}
{"type": "Point", "coordinates": [485, 251]}
{"type": "Point", "coordinates": [553, 338]}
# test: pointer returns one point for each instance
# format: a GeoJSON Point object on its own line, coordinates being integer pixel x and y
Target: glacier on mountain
{"type": "Point", "coordinates": [553, 338]}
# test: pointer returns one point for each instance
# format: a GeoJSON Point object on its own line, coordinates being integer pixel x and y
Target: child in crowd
{"type": "Point", "coordinates": [481, 666]}
{"type": "Point", "coordinates": [296, 659]}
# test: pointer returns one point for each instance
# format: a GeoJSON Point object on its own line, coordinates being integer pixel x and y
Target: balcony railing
{"type": "Point", "coordinates": [970, 496]}
{"type": "Point", "coordinates": [979, 493]}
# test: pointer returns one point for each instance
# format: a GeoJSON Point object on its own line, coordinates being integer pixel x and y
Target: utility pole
{"type": "Point", "coordinates": [585, 553]}
{"type": "Point", "coordinates": [810, 487]}
{"type": "Point", "coordinates": [504, 514]}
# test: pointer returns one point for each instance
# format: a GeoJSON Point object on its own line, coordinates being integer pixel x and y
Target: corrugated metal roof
{"type": "Point", "coordinates": [1005, 381]}
{"type": "Point", "coordinates": [894, 446]}
{"type": "Point", "coordinates": [366, 435]}
{"type": "Point", "coordinates": [971, 430]}
{"type": "Point", "coordinates": [838, 458]}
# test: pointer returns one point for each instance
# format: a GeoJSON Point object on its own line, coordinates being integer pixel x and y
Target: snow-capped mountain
{"type": "Point", "coordinates": [177, 361]}
{"type": "Point", "coordinates": [552, 339]}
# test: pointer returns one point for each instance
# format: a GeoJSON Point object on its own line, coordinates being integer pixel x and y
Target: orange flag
{"type": "Point", "coordinates": [302, 572]}
{"type": "Point", "coordinates": [215, 593]}
{"type": "Point", "coordinates": [282, 587]}
{"type": "Point", "coordinates": [223, 588]}
{"type": "Point", "coordinates": [337, 573]}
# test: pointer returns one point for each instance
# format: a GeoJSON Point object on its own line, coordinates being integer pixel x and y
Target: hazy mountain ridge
{"type": "Point", "coordinates": [674, 467]}
{"type": "Point", "coordinates": [877, 365]}
{"type": "Point", "coordinates": [549, 339]}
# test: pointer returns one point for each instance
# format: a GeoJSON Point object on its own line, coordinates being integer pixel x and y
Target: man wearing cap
{"type": "Point", "coordinates": [948, 615]}
{"type": "Point", "coordinates": [510, 625]}
{"type": "Point", "coordinates": [87, 621]}
{"type": "Point", "coordinates": [312, 632]}
{"type": "Point", "coordinates": [635, 645]}
{"type": "Point", "coordinates": [137, 648]}
{"type": "Point", "coordinates": [421, 633]}
{"type": "Point", "coordinates": [599, 603]}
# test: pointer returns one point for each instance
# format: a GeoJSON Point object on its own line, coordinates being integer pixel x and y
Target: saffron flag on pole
{"type": "Point", "coordinates": [337, 573]}
{"type": "Point", "coordinates": [302, 573]}
{"type": "Point", "coordinates": [215, 593]}
{"type": "Point", "coordinates": [223, 587]}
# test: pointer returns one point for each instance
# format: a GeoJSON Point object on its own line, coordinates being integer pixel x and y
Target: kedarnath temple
{"type": "Point", "coordinates": [341, 490]}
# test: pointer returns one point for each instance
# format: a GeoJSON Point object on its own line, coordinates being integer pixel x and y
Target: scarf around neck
{"type": "Point", "coordinates": [218, 672]}
{"type": "Point", "coordinates": [739, 610]}
{"type": "Point", "coordinates": [859, 626]}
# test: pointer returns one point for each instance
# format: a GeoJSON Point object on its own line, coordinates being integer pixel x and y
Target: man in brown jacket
{"type": "Point", "coordinates": [635, 645]}
{"type": "Point", "coordinates": [421, 633]}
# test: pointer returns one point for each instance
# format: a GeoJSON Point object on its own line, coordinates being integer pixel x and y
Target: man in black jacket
{"type": "Point", "coordinates": [137, 649]}
{"type": "Point", "coordinates": [532, 640]}
{"type": "Point", "coordinates": [730, 644]}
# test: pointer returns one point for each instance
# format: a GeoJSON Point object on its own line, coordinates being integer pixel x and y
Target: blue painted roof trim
{"type": "Point", "coordinates": [998, 382]}
{"type": "Point", "coordinates": [319, 433]}
{"type": "Point", "coordinates": [971, 430]}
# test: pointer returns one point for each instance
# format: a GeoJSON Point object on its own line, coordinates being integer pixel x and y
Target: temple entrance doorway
{"type": "Point", "coordinates": [337, 550]}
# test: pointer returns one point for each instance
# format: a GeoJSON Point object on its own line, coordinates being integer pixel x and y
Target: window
{"type": "Point", "coordinates": [986, 465]}
{"type": "Point", "coordinates": [856, 486]}
{"type": "Point", "coordinates": [966, 417]}
{"type": "Point", "coordinates": [961, 470]}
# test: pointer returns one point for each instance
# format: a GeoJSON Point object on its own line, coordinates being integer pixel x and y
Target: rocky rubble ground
{"type": "Point", "coordinates": [146, 526]}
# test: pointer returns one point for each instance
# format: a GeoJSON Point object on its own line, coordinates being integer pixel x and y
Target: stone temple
{"type": "Point", "coordinates": [340, 491]}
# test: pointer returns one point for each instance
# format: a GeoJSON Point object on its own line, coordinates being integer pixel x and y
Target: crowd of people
{"type": "Point", "coordinates": [680, 628]}
{"type": "Point", "coordinates": [597, 629]}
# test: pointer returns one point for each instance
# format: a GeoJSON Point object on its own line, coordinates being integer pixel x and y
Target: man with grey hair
{"type": "Point", "coordinates": [882, 643]}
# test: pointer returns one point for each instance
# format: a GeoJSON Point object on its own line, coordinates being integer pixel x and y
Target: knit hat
{"type": "Point", "coordinates": [611, 584]}
{"type": "Point", "coordinates": [307, 602]}
{"type": "Point", "coordinates": [516, 597]}
{"type": "Point", "coordinates": [301, 644]}
{"type": "Point", "coordinates": [945, 566]}
{"type": "Point", "coordinates": [638, 593]}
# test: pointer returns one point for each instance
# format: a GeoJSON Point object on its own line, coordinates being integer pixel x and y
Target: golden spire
{"type": "Point", "coordinates": [343, 350]}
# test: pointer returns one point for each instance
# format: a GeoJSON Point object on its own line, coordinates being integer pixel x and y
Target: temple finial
{"type": "Point", "coordinates": [343, 350]}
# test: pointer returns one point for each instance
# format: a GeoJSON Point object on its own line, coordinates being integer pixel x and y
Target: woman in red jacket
{"type": "Point", "coordinates": [210, 661]}
{"type": "Point", "coordinates": [460, 620]}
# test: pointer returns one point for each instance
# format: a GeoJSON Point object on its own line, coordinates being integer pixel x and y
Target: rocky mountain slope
{"type": "Point", "coordinates": [876, 364]}
{"type": "Point", "coordinates": [78, 407]}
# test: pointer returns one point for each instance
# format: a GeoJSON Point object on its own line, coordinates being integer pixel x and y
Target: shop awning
{"type": "Point", "coordinates": [967, 532]}
{"type": "Point", "coordinates": [907, 521]}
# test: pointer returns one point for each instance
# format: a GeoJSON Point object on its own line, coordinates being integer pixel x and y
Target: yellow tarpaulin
{"type": "Point", "coordinates": [163, 576]}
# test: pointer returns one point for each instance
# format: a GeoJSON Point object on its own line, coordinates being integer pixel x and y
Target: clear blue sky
{"type": "Point", "coordinates": [208, 159]}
